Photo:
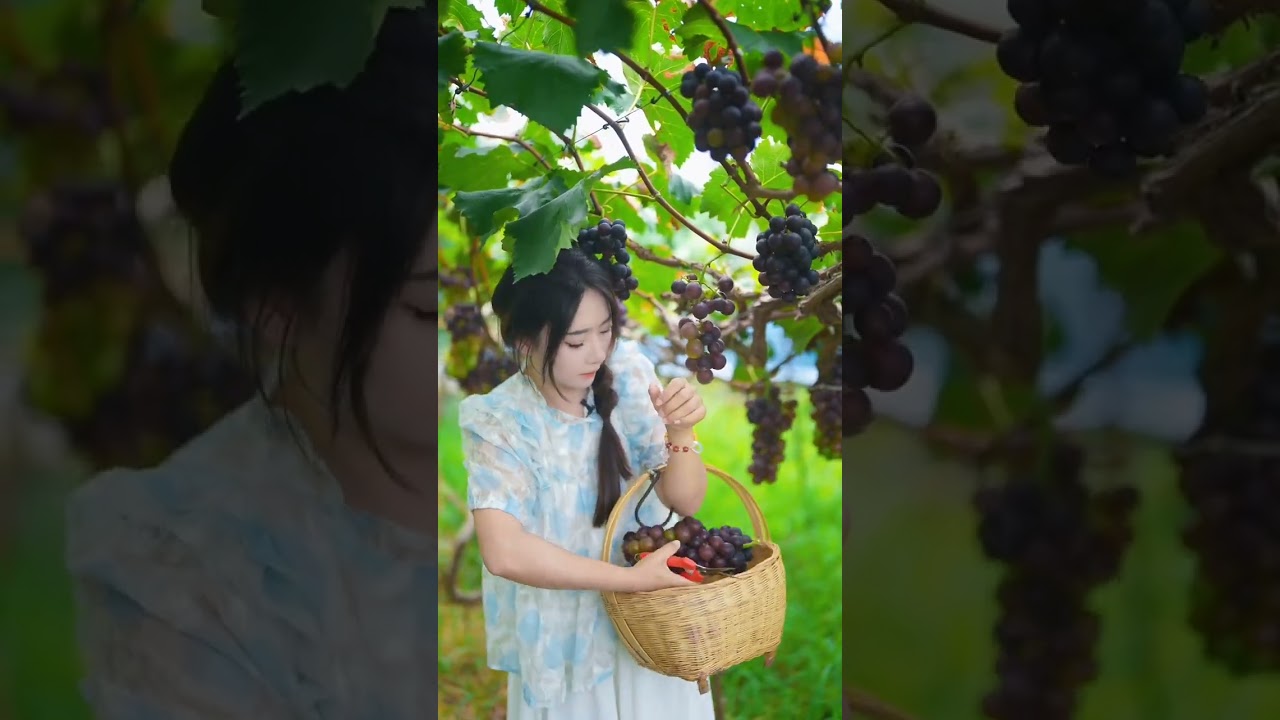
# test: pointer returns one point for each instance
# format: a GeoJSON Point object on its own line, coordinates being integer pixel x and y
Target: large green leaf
{"type": "Point", "coordinates": [802, 331]}
{"type": "Point", "coordinates": [285, 46]}
{"type": "Point", "coordinates": [601, 25]}
{"type": "Point", "coordinates": [1152, 270]}
{"type": "Point", "coordinates": [548, 89]}
{"type": "Point", "coordinates": [538, 236]}
{"type": "Point", "coordinates": [465, 169]}
{"type": "Point", "coordinates": [767, 14]}
{"type": "Point", "coordinates": [669, 129]}
{"type": "Point", "coordinates": [696, 28]}
{"type": "Point", "coordinates": [453, 57]}
{"type": "Point", "coordinates": [488, 210]}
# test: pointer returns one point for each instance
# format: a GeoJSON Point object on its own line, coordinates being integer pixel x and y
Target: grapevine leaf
{"type": "Point", "coordinates": [801, 331]}
{"type": "Point", "coordinates": [697, 28]}
{"type": "Point", "coordinates": [769, 14]}
{"type": "Point", "coordinates": [488, 210]}
{"type": "Point", "coordinates": [669, 128]}
{"type": "Point", "coordinates": [538, 236]}
{"type": "Point", "coordinates": [284, 47]}
{"type": "Point", "coordinates": [682, 190]}
{"type": "Point", "coordinates": [466, 18]}
{"type": "Point", "coordinates": [1151, 270]}
{"type": "Point", "coordinates": [510, 8]}
{"type": "Point", "coordinates": [549, 89]}
{"type": "Point", "coordinates": [615, 96]}
{"type": "Point", "coordinates": [604, 25]}
{"type": "Point", "coordinates": [464, 168]}
{"type": "Point", "coordinates": [453, 57]}
{"type": "Point", "coordinates": [720, 197]}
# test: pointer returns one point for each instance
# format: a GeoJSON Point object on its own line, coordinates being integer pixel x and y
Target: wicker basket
{"type": "Point", "coordinates": [695, 632]}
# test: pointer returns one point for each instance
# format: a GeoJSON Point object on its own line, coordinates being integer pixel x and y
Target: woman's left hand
{"type": "Point", "coordinates": [678, 405]}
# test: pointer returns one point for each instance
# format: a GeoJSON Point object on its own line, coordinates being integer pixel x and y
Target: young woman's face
{"type": "Point", "coordinates": [585, 347]}
{"type": "Point", "coordinates": [400, 387]}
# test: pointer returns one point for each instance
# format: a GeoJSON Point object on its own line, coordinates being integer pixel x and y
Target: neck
{"type": "Point", "coordinates": [366, 485]}
{"type": "Point", "coordinates": [566, 400]}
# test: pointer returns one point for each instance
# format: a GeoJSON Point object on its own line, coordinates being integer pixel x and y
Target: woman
{"type": "Point", "coordinates": [547, 454]}
{"type": "Point", "coordinates": [281, 565]}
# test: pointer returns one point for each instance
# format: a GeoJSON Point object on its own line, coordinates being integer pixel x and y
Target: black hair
{"type": "Point", "coordinates": [276, 197]}
{"type": "Point", "coordinates": [549, 301]}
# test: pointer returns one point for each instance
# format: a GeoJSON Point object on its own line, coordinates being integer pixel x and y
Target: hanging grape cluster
{"type": "Point", "coordinates": [828, 407]}
{"type": "Point", "coordinates": [725, 121]}
{"type": "Point", "coordinates": [82, 233]}
{"type": "Point", "coordinates": [772, 417]}
{"type": "Point", "coordinates": [1058, 541]}
{"type": "Point", "coordinates": [1234, 533]}
{"type": "Point", "coordinates": [704, 346]}
{"type": "Point", "coordinates": [474, 360]}
{"type": "Point", "coordinates": [607, 242]}
{"type": "Point", "coordinates": [784, 255]}
{"type": "Point", "coordinates": [115, 359]}
{"type": "Point", "coordinates": [808, 108]}
{"type": "Point", "coordinates": [894, 180]}
{"type": "Point", "coordinates": [1104, 78]}
{"type": "Point", "coordinates": [874, 357]}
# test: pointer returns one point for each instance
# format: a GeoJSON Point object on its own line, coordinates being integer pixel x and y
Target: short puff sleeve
{"type": "Point", "coordinates": [496, 479]}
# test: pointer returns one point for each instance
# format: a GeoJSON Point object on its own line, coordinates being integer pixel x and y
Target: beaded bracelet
{"type": "Point", "coordinates": [696, 447]}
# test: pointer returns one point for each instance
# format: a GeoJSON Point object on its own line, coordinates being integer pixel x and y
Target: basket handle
{"type": "Point", "coordinates": [753, 510]}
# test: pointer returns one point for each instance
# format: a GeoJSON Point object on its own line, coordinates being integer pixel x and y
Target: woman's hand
{"type": "Point", "coordinates": [678, 405]}
{"type": "Point", "coordinates": [652, 573]}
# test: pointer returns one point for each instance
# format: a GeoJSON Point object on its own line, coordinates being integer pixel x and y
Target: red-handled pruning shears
{"type": "Point", "coordinates": [683, 566]}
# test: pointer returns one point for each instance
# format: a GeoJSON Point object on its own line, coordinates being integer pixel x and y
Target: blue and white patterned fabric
{"type": "Point", "coordinates": [539, 464]}
{"type": "Point", "coordinates": [232, 581]}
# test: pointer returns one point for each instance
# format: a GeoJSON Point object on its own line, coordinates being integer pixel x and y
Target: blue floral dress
{"type": "Point", "coordinates": [232, 581]}
{"type": "Point", "coordinates": [539, 464]}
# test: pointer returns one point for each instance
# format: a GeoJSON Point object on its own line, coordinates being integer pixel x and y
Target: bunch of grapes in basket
{"type": "Point", "coordinates": [725, 549]}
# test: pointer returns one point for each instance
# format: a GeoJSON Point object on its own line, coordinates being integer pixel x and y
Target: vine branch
{"type": "Point", "coordinates": [922, 12]}
{"type": "Point", "coordinates": [746, 181]}
{"type": "Point", "coordinates": [508, 138]}
{"type": "Point", "coordinates": [657, 196]}
{"type": "Point", "coordinates": [728, 38]}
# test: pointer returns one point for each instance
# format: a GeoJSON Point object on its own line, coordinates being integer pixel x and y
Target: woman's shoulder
{"type": "Point", "coordinates": [202, 500]}
{"type": "Point", "coordinates": [496, 406]}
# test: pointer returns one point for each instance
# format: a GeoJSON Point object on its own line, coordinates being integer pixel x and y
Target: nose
{"type": "Point", "coordinates": [599, 350]}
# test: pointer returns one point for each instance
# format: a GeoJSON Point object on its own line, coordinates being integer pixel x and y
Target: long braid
{"type": "Point", "coordinates": [613, 465]}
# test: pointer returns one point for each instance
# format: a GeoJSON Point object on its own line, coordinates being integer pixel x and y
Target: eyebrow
{"type": "Point", "coordinates": [579, 332]}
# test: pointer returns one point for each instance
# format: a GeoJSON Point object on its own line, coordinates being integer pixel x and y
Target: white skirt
{"type": "Point", "coordinates": [631, 693]}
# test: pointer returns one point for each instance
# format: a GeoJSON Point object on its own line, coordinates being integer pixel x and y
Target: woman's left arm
{"type": "Point", "coordinates": [684, 482]}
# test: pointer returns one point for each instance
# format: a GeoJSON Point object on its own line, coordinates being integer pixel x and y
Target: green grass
{"type": "Point", "coordinates": [803, 512]}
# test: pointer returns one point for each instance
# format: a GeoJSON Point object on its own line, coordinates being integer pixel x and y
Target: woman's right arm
{"type": "Point", "coordinates": [512, 553]}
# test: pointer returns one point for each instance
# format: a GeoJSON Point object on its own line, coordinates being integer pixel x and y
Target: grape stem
{"type": "Point", "coordinates": [920, 11]}
{"type": "Point", "coordinates": [508, 138]}
{"type": "Point", "coordinates": [577, 160]}
{"type": "Point", "coordinates": [812, 7]}
{"type": "Point", "coordinates": [860, 54]}
{"type": "Point", "coordinates": [728, 37]}
{"type": "Point", "coordinates": [648, 77]}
